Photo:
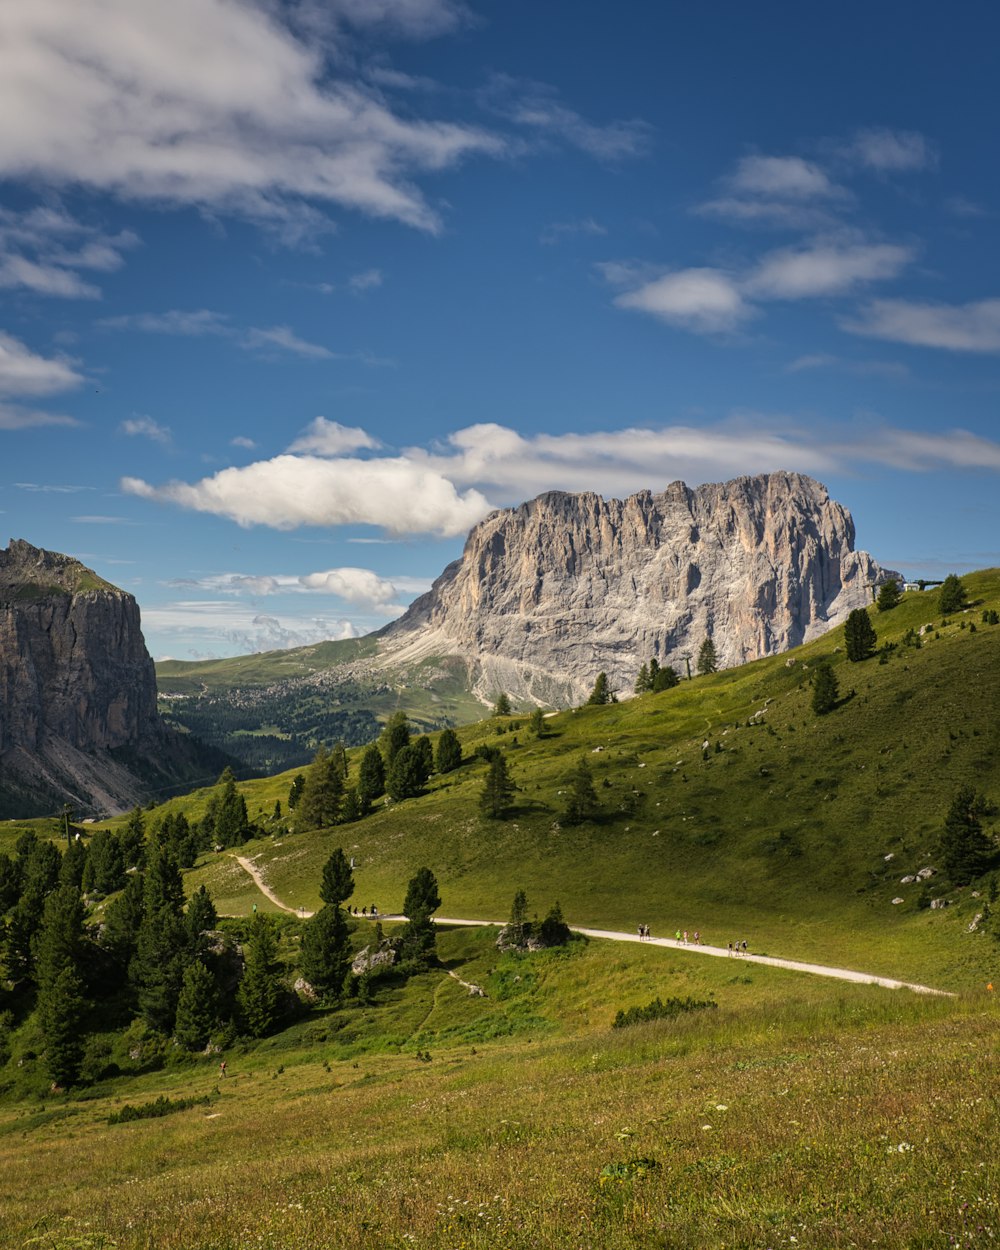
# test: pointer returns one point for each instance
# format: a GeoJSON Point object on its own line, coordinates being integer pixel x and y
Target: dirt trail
{"type": "Point", "coordinates": [615, 935]}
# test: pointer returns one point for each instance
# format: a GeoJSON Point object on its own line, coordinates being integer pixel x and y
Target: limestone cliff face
{"type": "Point", "coordinates": [548, 594]}
{"type": "Point", "coordinates": [76, 684]}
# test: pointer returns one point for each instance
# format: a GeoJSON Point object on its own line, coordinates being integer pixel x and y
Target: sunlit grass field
{"type": "Point", "coordinates": [800, 1112]}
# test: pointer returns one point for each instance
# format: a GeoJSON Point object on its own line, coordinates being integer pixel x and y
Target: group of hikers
{"type": "Point", "coordinates": [681, 936]}
{"type": "Point", "coordinates": [365, 911]}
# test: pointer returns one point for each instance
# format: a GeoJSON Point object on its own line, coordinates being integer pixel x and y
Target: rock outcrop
{"type": "Point", "coordinates": [78, 718]}
{"type": "Point", "coordinates": [548, 594]}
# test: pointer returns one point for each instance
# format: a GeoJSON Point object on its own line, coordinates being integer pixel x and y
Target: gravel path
{"type": "Point", "coordinates": [615, 935]}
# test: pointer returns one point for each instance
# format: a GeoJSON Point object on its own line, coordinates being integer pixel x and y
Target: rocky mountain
{"type": "Point", "coordinates": [78, 718]}
{"type": "Point", "coordinates": [548, 594]}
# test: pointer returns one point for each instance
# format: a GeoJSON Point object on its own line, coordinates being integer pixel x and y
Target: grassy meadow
{"type": "Point", "coordinates": [799, 1112]}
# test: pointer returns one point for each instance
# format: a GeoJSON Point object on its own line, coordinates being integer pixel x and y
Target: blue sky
{"type": "Point", "coordinates": [295, 293]}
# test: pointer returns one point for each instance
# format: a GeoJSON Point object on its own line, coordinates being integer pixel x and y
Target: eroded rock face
{"type": "Point", "coordinates": [73, 661]}
{"type": "Point", "coordinates": [76, 683]}
{"type": "Point", "coordinates": [548, 594]}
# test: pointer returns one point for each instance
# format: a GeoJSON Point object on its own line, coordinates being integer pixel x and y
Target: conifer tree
{"type": "Point", "coordinates": [664, 678]}
{"type": "Point", "coordinates": [133, 840]}
{"type": "Point", "coordinates": [295, 791]}
{"type": "Point", "coordinates": [537, 723]}
{"type": "Point", "coordinates": [581, 800]}
{"type": "Point", "coordinates": [967, 852]}
{"type": "Point", "coordinates": [501, 704]}
{"type": "Point", "coordinates": [260, 988]}
{"type": "Point", "coordinates": [232, 828]}
{"type": "Point", "coordinates": [197, 1007]}
{"type": "Point", "coordinates": [951, 596]}
{"type": "Point", "coordinates": [825, 690]}
{"type": "Point", "coordinates": [350, 807]}
{"type": "Point", "coordinates": [395, 735]}
{"type": "Point", "coordinates": [371, 777]}
{"type": "Point", "coordinates": [319, 804]}
{"type": "Point", "coordinates": [518, 925]}
{"type": "Point", "coordinates": [708, 660]}
{"type": "Point", "coordinates": [554, 931]}
{"type": "Point", "coordinates": [61, 1008]}
{"type": "Point", "coordinates": [601, 693]}
{"type": "Point", "coordinates": [74, 862]}
{"type": "Point", "coordinates": [889, 595]}
{"type": "Point", "coordinates": [860, 638]}
{"type": "Point", "coordinates": [338, 755]}
{"type": "Point", "coordinates": [643, 682]}
{"type": "Point", "coordinates": [201, 916]}
{"type": "Point", "coordinates": [418, 941]}
{"type": "Point", "coordinates": [425, 755]}
{"type": "Point", "coordinates": [10, 883]}
{"type": "Point", "coordinates": [122, 919]}
{"type": "Point", "coordinates": [326, 954]}
{"type": "Point", "coordinates": [105, 868]}
{"type": "Point", "coordinates": [337, 884]}
{"type": "Point", "coordinates": [405, 779]}
{"type": "Point", "coordinates": [497, 795]}
{"type": "Point", "coordinates": [449, 751]}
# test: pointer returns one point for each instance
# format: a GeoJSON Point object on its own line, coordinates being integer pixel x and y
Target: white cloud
{"type": "Point", "coordinates": [216, 104]}
{"type": "Point", "coordinates": [41, 249]}
{"type": "Point", "coordinates": [361, 587]}
{"type": "Point", "coordinates": [973, 327]}
{"type": "Point", "coordinates": [365, 281]}
{"type": "Point", "coordinates": [782, 177]}
{"type": "Point", "coordinates": [241, 628]}
{"type": "Point", "coordinates": [704, 300]}
{"type": "Point", "coordinates": [536, 106]}
{"type": "Point", "coordinates": [22, 372]}
{"type": "Point", "coordinates": [146, 427]}
{"type": "Point", "coordinates": [892, 151]}
{"type": "Point", "coordinates": [416, 19]}
{"type": "Point", "coordinates": [289, 491]}
{"type": "Point", "coordinates": [283, 339]}
{"type": "Point", "coordinates": [329, 438]}
{"type": "Point", "coordinates": [559, 230]}
{"type": "Point", "coordinates": [13, 417]}
{"type": "Point", "coordinates": [864, 368]}
{"type": "Point", "coordinates": [188, 324]}
{"type": "Point", "coordinates": [960, 206]}
{"type": "Point", "coordinates": [242, 441]}
{"type": "Point", "coordinates": [824, 269]}
{"type": "Point", "coordinates": [780, 214]}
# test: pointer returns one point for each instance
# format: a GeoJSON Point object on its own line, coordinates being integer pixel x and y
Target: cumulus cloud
{"type": "Point", "coordinates": [782, 177]}
{"type": "Point", "coordinates": [219, 105]}
{"type": "Point", "coordinates": [973, 327]}
{"type": "Point", "coordinates": [824, 268]}
{"type": "Point", "coordinates": [241, 628]}
{"type": "Point", "coordinates": [24, 373]}
{"type": "Point", "coordinates": [705, 300]}
{"type": "Point", "coordinates": [329, 438]}
{"type": "Point", "coordinates": [361, 587]}
{"type": "Point", "coordinates": [146, 427]}
{"type": "Point", "coordinates": [288, 491]}
{"type": "Point", "coordinates": [892, 151]}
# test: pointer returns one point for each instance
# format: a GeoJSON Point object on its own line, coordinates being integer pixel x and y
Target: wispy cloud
{"type": "Point", "coordinates": [824, 268]}
{"type": "Point", "coordinates": [358, 586]}
{"type": "Point", "coordinates": [367, 280]}
{"type": "Point", "coordinates": [146, 427]}
{"type": "Point", "coordinates": [242, 441]}
{"type": "Point", "coordinates": [283, 339]}
{"type": "Point", "coordinates": [537, 108]}
{"type": "Point", "coordinates": [782, 178]}
{"type": "Point", "coordinates": [25, 373]}
{"type": "Point", "coordinates": [973, 327]}
{"type": "Point", "coordinates": [195, 323]}
{"type": "Point", "coordinates": [586, 227]}
{"type": "Point", "coordinates": [891, 151]}
{"type": "Point", "coordinates": [891, 369]}
{"type": "Point", "coordinates": [43, 248]}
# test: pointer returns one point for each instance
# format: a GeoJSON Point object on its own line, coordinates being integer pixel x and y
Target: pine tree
{"type": "Point", "coordinates": [326, 952]}
{"type": "Point", "coordinates": [295, 791]}
{"type": "Point", "coordinates": [554, 930]}
{"type": "Point", "coordinates": [405, 779]}
{"type": "Point", "coordinates": [497, 795]}
{"type": "Point", "coordinates": [74, 862]}
{"type": "Point", "coordinates": [371, 777]}
{"type": "Point", "coordinates": [665, 678]}
{"type": "Point", "coordinates": [232, 828]}
{"type": "Point", "coordinates": [133, 840]}
{"type": "Point", "coordinates": [122, 920]}
{"type": "Point", "coordinates": [601, 693]}
{"type": "Point", "coordinates": [319, 804]}
{"type": "Point", "coordinates": [201, 916]}
{"type": "Point", "coordinates": [951, 596]}
{"type": "Point", "coordinates": [643, 682]}
{"type": "Point", "coordinates": [889, 595]}
{"type": "Point", "coordinates": [157, 968]}
{"type": "Point", "coordinates": [197, 1007]}
{"type": "Point", "coordinates": [418, 942]}
{"type": "Point", "coordinates": [61, 1008]}
{"type": "Point", "coordinates": [337, 884]}
{"type": "Point", "coordinates": [425, 755]}
{"type": "Point", "coordinates": [449, 751]}
{"type": "Point", "coordinates": [537, 723]}
{"type": "Point", "coordinates": [10, 883]}
{"type": "Point", "coordinates": [60, 936]}
{"type": "Point", "coordinates": [501, 704]}
{"type": "Point", "coordinates": [860, 638]}
{"type": "Point", "coordinates": [338, 754]}
{"type": "Point", "coordinates": [260, 989]}
{"type": "Point", "coordinates": [105, 870]}
{"type": "Point", "coordinates": [825, 690]}
{"type": "Point", "coordinates": [350, 807]}
{"type": "Point", "coordinates": [581, 800]}
{"type": "Point", "coordinates": [708, 660]}
{"type": "Point", "coordinates": [967, 852]}
{"type": "Point", "coordinates": [518, 925]}
{"type": "Point", "coordinates": [395, 735]}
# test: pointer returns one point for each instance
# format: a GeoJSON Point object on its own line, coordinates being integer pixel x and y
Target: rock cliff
{"type": "Point", "coordinates": [78, 718]}
{"type": "Point", "coordinates": [548, 594]}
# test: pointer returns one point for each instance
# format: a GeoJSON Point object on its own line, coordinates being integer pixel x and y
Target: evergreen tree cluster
{"type": "Point", "coordinates": [653, 678]}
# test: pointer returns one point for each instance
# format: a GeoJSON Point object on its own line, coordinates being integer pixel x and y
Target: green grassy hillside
{"type": "Point", "coordinates": [789, 828]}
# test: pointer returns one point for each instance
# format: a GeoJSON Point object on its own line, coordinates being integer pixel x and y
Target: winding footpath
{"type": "Point", "coordinates": [614, 935]}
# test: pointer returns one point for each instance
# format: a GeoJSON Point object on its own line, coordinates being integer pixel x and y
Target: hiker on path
{"type": "Point", "coordinates": [222, 1068]}
{"type": "Point", "coordinates": [677, 935]}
